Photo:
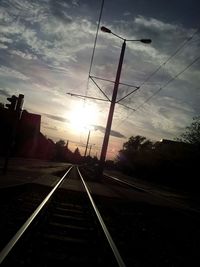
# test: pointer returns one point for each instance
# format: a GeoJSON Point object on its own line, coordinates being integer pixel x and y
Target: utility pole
{"type": "Point", "coordinates": [88, 138]}
{"type": "Point", "coordinates": [111, 111]}
{"type": "Point", "coordinates": [67, 144]}
{"type": "Point", "coordinates": [90, 149]}
{"type": "Point", "coordinates": [114, 96]}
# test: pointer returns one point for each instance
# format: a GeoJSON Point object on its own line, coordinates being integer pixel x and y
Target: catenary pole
{"type": "Point", "coordinates": [111, 111]}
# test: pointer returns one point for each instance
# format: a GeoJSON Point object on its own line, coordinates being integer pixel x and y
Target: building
{"type": "Point", "coordinates": [27, 134]}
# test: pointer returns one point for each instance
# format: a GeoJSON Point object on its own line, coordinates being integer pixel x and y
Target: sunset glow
{"type": "Point", "coordinates": [83, 117]}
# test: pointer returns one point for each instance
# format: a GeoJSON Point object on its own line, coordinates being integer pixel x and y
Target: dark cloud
{"type": "Point", "coordinates": [4, 93]}
{"type": "Point", "coordinates": [60, 9]}
{"type": "Point", "coordinates": [50, 128]}
{"type": "Point", "coordinates": [56, 118]}
{"type": "Point", "coordinates": [113, 133]}
{"type": "Point", "coordinates": [184, 12]}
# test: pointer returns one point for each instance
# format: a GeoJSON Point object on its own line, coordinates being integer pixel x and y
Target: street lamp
{"type": "Point", "coordinates": [114, 96]}
{"type": "Point", "coordinates": [146, 41]}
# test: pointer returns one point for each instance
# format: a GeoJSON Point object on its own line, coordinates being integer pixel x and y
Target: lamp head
{"type": "Point", "coordinates": [104, 29]}
{"type": "Point", "coordinates": [145, 41]}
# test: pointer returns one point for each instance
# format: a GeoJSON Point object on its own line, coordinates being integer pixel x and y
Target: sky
{"type": "Point", "coordinates": [46, 48]}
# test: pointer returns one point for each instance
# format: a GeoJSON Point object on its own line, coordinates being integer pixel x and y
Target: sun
{"type": "Point", "coordinates": [83, 116]}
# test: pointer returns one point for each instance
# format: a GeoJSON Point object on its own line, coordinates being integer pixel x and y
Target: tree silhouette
{"type": "Point", "coordinates": [137, 143]}
{"type": "Point", "coordinates": [135, 153]}
{"type": "Point", "coordinates": [60, 143]}
{"type": "Point", "coordinates": [168, 162]}
{"type": "Point", "coordinates": [60, 151]}
{"type": "Point", "coordinates": [192, 133]}
{"type": "Point", "coordinates": [77, 156]}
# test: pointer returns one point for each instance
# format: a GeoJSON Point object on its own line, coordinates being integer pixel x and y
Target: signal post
{"type": "Point", "coordinates": [15, 111]}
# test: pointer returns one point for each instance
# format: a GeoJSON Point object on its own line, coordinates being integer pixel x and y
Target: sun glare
{"type": "Point", "coordinates": [83, 117]}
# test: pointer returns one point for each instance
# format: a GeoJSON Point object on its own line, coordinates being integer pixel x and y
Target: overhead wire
{"type": "Point", "coordinates": [165, 62]}
{"type": "Point", "coordinates": [150, 76]}
{"type": "Point", "coordinates": [170, 57]}
{"type": "Point", "coordinates": [186, 42]}
{"type": "Point", "coordinates": [169, 81]}
{"type": "Point", "coordinates": [93, 52]}
{"type": "Point", "coordinates": [94, 47]}
{"type": "Point", "coordinates": [161, 88]}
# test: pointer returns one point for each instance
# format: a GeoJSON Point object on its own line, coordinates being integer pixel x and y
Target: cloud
{"type": "Point", "coordinates": [46, 51]}
{"type": "Point", "coordinates": [54, 39]}
{"type": "Point", "coordinates": [127, 13]}
{"type": "Point", "coordinates": [24, 55]}
{"type": "Point", "coordinates": [142, 60]}
{"type": "Point", "coordinates": [75, 3]}
{"type": "Point", "coordinates": [112, 133]}
{"type": "Point", "coordinates": [56, 118]}
{"type": "Point", "coordinates": [154, 24]}
{"type": "Point", "coordinates": [53, 128]}
{"type": "Point", "coordinates": [9, 72]}
{"type": "Point", "coordinates": [60, 10]}
{"type": "Point", "coordinates": [4, 92]}
{"type": "Point", "coordinates": [3, 46]}
{"type": "Point", "coordinates": [4, 42]}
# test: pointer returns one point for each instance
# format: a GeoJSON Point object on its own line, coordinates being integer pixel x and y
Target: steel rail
{"type": "Point", "coordinates": [6, 250]}
{"type": "Point", "coordinates": [156, 195]}
{"type": "Point", "coordinates": [128, 184]}
{"type": "Point", "coordinates": [104, 228]}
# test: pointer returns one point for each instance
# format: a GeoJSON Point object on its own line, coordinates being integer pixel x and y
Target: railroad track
{"type": "Point", "coordinates": [66, 229]}
{"type": "Point", "coordinates": [185, 209]}
{"type": "Point", "coordinates": [66, 232]}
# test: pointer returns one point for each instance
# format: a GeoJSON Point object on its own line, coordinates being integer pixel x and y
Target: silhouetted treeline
{"type": "Point", "coordinates": [63, 154]}
{"type": "Point", "coordinates": [172, 163]}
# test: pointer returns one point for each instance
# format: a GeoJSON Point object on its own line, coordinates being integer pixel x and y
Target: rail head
{"type": "Point", "coordinates": [6, 250]}
{"type": "Point", "coordinates": [104, 228]}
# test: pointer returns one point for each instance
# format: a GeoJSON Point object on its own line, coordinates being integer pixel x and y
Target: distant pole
{"type": "Point", "coordinates": [88, 138]}
{"type": "Point", "coordinates": [67, 144]}
{"type": "Point", "coordinates": [90, 149]}
{"type": "Point", "coordinates": [111, 112]}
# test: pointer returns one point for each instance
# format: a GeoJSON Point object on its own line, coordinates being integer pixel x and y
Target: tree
{"type": "Point", "coordinates": [135, 153]}
{"type": "Point", "coordinates": [77, 156]}
{"type": "Point", "coordinates": [192, 133]}
{"type": "Point", "coordinates": [137, 143]}
{"type": "Point", "coordinates": [60, 143]}
{"type": "Point", "coordinates": [60, 150]}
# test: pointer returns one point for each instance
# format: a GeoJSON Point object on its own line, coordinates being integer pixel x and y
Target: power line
{"type": "Point", "coordinates": [165, 85]}
{"type": "Point", "coordinates": [170, 57]}
{"type": "Point", "coordinates": [99, 88]}
{"type": "Point", "coordinates": [169, 81]}
{"type": "Point", "coordinates": [93, 51]}
{"type": "Point", "coordinates": [164, 63]}
{"type": "Point", "coordinates": [153, 73]}
{"type": "Point", "coordinates": [94, 47]}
